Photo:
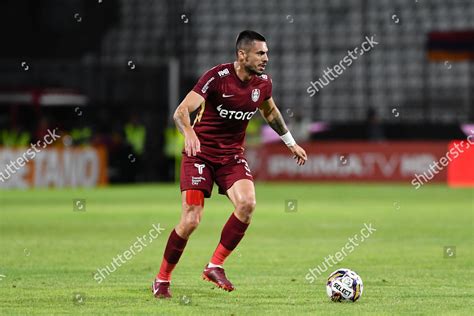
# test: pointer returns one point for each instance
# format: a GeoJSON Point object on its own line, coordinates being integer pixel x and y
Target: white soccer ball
{"type": "Point", "coordinates": [344, 285]}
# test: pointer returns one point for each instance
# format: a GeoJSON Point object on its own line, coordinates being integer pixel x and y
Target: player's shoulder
{"type": "Point", "coordinates": [264, 79]}
{"type": "Point", "coordinates": [221, 70]}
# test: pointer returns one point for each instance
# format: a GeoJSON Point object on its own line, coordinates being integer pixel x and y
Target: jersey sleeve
{"type": "Point", "coordinates": [269, 89]}
{"type": "Point", "coordinates": [206, 84]}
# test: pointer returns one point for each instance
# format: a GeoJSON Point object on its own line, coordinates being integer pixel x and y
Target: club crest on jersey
{"type": "Point", "coordinates": [255, 95]}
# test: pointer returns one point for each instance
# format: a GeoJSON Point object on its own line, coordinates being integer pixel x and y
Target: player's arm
{"type": "Point", "coordinates": [272, 115]}
{"type": "Point", "coordinates": [183, 122]}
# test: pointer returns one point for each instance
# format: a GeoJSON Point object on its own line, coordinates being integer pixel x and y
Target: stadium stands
{"type": "Point", "coordinates": [305, 37]}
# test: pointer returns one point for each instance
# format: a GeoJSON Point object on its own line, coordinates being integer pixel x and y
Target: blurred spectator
{"type": "Point", "coordinates": [42, 128]}
{"type": "Point", "coordinates": [375, 130]}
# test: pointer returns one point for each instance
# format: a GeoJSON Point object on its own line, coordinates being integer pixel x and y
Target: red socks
{"type": "Point", "coordinates": [173, 251]}
{"type": "Point", "coordinates": [232, 234]}
{"type": "Point", "coordinates": [220, 254]}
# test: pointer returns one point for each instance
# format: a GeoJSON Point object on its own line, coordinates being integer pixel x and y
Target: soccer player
{"type": "Point", "coordinates": [227, 97]}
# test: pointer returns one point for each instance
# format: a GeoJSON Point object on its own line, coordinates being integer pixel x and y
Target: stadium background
{"type": "Point", "coordinates": [109, 74]}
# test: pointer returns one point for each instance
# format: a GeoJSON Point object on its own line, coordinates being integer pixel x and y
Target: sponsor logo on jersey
{"type": "Point", "coordinates": [206, 86]}
{"type": "Point", "coordinates": [237, 115]}
{"type": "Point", "coordinates": [255, 95]}
{"type": "Point", "coordinates": [223, 73]}
{"type": "Point", "coordinates": [264, 76]}
{"type": "Point", "coordinates": [227, 95]}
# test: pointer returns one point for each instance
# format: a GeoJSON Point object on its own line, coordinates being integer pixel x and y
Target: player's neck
{"type": "Point", "coordinates": [242, 73]}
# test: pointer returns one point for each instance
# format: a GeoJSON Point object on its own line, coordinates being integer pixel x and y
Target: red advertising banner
{"type": "Point", "coordinates": [351, 161]}
{"type": "Point", "coordinates": [461, 170]}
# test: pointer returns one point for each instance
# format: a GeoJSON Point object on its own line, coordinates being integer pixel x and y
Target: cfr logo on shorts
{"type": "Point", "coordinates": [199, 167]}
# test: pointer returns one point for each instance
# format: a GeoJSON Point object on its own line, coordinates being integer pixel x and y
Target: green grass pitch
{"type": "Point", "coordinates": [49, 253]}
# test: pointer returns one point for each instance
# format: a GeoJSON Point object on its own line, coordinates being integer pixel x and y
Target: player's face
{"type": "Point", "coordinates": [256, 58]}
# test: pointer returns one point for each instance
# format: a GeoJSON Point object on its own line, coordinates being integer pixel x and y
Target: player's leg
{"type": "Point", "coordinates": [196, 181]}
{"type": "Point", "coordinates": [236, 181]}
{"type": "Point", "coordinates": [242, 195]}
{"type": "Point", "coordinates": [192, 208]}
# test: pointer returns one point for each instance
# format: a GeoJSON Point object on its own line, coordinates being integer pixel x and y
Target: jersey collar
{"type": "Point", "coordinates": [243, 83]}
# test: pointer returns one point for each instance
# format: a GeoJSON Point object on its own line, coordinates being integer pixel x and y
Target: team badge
{"type": "Point", "coordinates": [255, 95]}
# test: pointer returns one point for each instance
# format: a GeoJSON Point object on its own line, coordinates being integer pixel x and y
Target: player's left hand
{"type": "Point", "coordinates": [299, 154]}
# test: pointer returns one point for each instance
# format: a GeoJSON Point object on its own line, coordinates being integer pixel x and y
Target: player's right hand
{"type": "Point", "coordinates": [192, 146]}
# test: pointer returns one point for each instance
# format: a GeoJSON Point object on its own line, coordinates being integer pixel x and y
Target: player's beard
{"type": "Point", "coordinates": [253, 71]}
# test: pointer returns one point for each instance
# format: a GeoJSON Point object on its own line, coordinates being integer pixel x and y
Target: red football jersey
{"type": "Point", "coordinates": [229, 105]}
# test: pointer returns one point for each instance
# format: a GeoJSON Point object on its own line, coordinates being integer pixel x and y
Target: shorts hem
{"type": "Point", "coordinates": [221, 190]}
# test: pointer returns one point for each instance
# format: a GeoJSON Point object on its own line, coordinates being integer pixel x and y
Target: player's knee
{"type": "Point", "coordinates": [244, 209]}
{"type": "Point", "coordinates": [246, 205]}
{"type": "Point", "coordinates": [191, 216]}
{"type": "Point", "coordinates": [192, 223]}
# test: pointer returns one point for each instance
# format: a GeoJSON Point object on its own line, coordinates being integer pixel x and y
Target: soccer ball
{"type": "Point", "coordinates": [344, 285]}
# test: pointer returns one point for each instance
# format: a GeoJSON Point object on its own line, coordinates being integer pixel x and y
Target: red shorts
{"type": "Point", "coordinates": [201, 171]}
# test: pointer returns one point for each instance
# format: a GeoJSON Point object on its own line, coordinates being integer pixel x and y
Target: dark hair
{"type": "Point", "coordinates": [245, 39]}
